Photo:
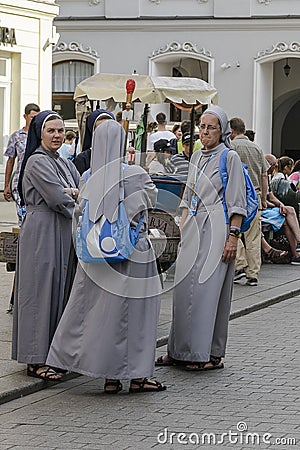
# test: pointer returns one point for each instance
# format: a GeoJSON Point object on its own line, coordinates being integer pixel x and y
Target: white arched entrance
{"type": "Point", "coordinates": [181, 59]}
{"type": "Point", "coordinates": [71, 63]}
{"type": "Point", "coordinates": [275, 95]}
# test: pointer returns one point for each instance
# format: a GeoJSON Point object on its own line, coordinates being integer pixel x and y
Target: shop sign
{"type": "Point", "coordinates": [8, 36]}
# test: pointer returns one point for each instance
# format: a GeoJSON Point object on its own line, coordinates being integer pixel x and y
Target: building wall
{"type": "Point", "coordinates": [30, 61]}
{"type": "Point", "coordinates": [174, 8]}
{"type": "Point", "coordinates": [237, 39]}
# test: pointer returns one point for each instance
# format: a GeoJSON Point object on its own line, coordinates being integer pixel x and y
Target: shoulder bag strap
{"type": "Point", "coordinates": [224, 178]}
{"type": "Point", "coordinates": [59, 169]}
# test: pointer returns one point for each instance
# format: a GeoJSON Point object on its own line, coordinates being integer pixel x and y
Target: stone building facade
{"type": "Point", "coordinates": [27, 36]}
{"type": "Point", "coordinates": [241, 47]}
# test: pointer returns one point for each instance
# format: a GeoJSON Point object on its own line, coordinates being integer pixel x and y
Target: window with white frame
{"type": "Point", "coordinates": [65, 77]}
{"type": "Point", "coordinates": [5, 86]}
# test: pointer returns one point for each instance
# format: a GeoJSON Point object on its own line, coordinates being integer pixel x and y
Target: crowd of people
{"type": "Point", "coordinates": [101, 319]}
{"type": "Point", "coordinates": [278, 212]}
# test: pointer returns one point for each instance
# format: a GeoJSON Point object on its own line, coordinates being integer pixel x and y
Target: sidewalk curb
{"type": "Point", "coordinates": [33, 387]}
{"type": "Point", "coordinates": [247, 310]}
{"type": "Point", "coordinates": [264, 304]}
{"type": "Point", "coordinates": [22, 391]}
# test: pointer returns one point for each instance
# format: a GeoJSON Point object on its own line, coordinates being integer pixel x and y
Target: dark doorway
{"type": "Point", "coordinates": [290, 139]}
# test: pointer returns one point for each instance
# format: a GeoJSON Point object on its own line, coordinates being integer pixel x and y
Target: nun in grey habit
{"type": "Point", "coordinates": [205, 263]}
{"type": "Point", "coordinates": [109, 326]}
{"type": "Point", "coordinates": [47, 186]}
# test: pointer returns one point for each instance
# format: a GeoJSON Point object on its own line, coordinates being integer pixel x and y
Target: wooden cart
{"type": "Point", "coordinates": [164, 219]}
{"type": "Point", "coordinates": [8, 246]}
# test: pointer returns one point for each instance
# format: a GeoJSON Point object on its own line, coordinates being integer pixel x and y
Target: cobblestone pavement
{"type": "Point", "coordinates": [256, 397]}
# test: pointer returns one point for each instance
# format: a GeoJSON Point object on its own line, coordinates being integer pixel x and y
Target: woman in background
{"type": "Point", "coordinates": [64, 150]}
{"type": "Point", "coordinates": [177, 131]}
{"type": "Point", "coordinates": [295, 175]}
{"type": "Point", "coordinates": [284, 168]}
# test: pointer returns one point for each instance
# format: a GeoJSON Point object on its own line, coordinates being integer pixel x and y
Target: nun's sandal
{"type": "Point", "coordinates": [146, 385]}
{"type": "Point", "coordinates": [116, 386]}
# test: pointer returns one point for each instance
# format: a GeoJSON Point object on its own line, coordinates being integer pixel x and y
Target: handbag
{"type": "Point", "coordinates": [100, 241]}
{"type": "Point", "coordinates": [286, 192]}
{"type": "Point", "coordinates": [281, 187]}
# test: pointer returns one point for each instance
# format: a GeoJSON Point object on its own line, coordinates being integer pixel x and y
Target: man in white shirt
{"type": "Point", "coordinates": [161, 132]}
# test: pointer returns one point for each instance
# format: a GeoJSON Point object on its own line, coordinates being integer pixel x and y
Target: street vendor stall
{"type": "Point", "coordinates": [183, 92]}
{"type": "Point", "coordinates": [145, 89]}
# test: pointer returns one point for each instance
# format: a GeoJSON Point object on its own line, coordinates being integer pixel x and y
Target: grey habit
{"type": "Point", "coordinates": [203, 283]}
{"type": "Point", "coordinates": [109, 326]}
{"type": "Point", "coordinates": [43, 252]}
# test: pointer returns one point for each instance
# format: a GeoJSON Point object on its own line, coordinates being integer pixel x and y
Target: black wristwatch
{"type": "Point", "coordinates": [234, 232]}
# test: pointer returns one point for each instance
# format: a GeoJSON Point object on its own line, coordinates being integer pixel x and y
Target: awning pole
{"type": "Point", "coordinates": [192, 131]}
{"type": "Point", "coordinates": [144, 136]}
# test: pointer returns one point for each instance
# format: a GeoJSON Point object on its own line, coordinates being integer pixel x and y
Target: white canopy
{"type": "Point", "coordinates": [152, 90]}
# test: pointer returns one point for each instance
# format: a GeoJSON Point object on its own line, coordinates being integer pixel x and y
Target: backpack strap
{"type": "Point", "coordinates": [86, 175]}
{"type": "Point", "coordinates": [139, 225]}
{"type": "Point", "coordinates": [224, 178]}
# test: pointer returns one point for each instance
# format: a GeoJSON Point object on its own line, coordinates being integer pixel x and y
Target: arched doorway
{"type": "Point", "coordinates": [285, 109]}
{"type": "Point", "coordinates": [185, 60]}
{"type": "Point", "coordinates": [276, 94]}
{"type": "Point", "coordinates": [290, 141]}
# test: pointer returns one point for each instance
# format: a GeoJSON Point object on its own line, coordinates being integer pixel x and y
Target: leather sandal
{"type": "Point", "coordinates": [215, 361]}
{"type": "Point", "coordinates": [46, 373]}
{"type": "Point", "coordinates": [166, 360]}
{"type": "Point", "coordinates": [277, 256]}
{"type": "Point", "coordinates": [153, 386]}
{"type": "Point", "coordinates": [116, 384]}
{"type": "Point", "coordinates": [280, 243]}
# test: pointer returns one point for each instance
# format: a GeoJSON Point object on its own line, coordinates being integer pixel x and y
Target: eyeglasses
{"type": "Point", "coordinates": [208, 127]}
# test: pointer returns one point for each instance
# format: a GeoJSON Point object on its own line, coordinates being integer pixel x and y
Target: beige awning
{"type": "Point", "coordinates": [152, 90]}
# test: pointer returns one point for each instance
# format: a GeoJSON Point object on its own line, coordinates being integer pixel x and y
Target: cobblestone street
{"type": "Point", "coordinates": [149, 197]}
{"type": "Point", "coordinates": [256, 396]}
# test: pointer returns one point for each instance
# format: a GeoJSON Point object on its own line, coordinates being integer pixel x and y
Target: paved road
{"type": "Point", "coordinates": [259, 387]}
{"type": "Point", "coordinates": [257, 390]}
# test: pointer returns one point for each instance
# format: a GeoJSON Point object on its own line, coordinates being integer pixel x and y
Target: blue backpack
{"type": "Point", "coordinates": [251, 196]}
{"type": "Point", "coordinates": [100, 241]}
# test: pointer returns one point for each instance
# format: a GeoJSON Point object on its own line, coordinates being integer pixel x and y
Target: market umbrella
{"type": "Point", "coordinates": [110, 87]}
{"type": "Point", "coordinates": [148, 89]}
